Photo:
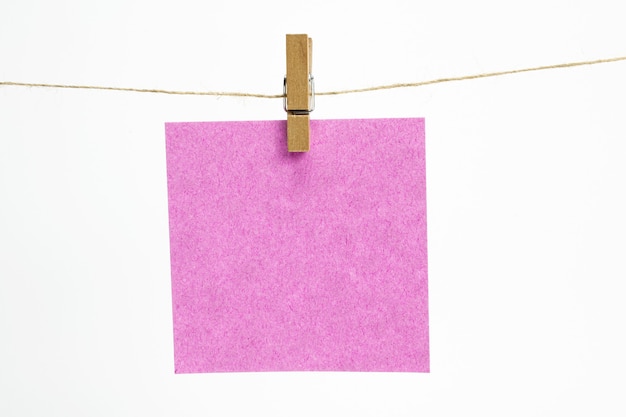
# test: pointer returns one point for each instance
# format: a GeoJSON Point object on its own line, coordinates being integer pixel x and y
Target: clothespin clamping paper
{"type": "Point", "coordinates": [298, 92]}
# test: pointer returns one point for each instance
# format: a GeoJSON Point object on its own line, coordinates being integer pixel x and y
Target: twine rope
{"type": "Point", "coordinates": [323, 93]}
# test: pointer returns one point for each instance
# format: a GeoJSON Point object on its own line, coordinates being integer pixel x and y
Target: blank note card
{"type": "Point", "coordinates": [298, 262]}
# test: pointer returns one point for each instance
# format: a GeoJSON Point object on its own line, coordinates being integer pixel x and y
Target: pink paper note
{"type": "Point", "coordinates": [298, 262]}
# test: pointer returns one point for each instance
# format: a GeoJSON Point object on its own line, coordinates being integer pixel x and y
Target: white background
{"type": "Point", "coordinates": [526, 199]}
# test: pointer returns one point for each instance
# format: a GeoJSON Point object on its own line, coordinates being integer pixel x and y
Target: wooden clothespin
{"type": "Point", "coordinates": [299, 92]}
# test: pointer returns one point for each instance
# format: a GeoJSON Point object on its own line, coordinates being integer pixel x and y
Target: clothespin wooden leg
{"type": "Point", "coordinates": [299, 92]}
{"type": "Point", "coordinates": [298, 132]}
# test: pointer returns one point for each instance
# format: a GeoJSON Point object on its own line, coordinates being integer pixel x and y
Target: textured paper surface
{"type": "Point", "coordinates": [292, 262]}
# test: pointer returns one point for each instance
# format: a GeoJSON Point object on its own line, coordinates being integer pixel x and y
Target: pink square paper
{"type": "Point", "coordinates": [298, 262]}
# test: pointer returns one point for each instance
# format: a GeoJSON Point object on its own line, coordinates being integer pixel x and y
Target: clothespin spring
{"type": "Point", "coordinates": [311, 97]}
